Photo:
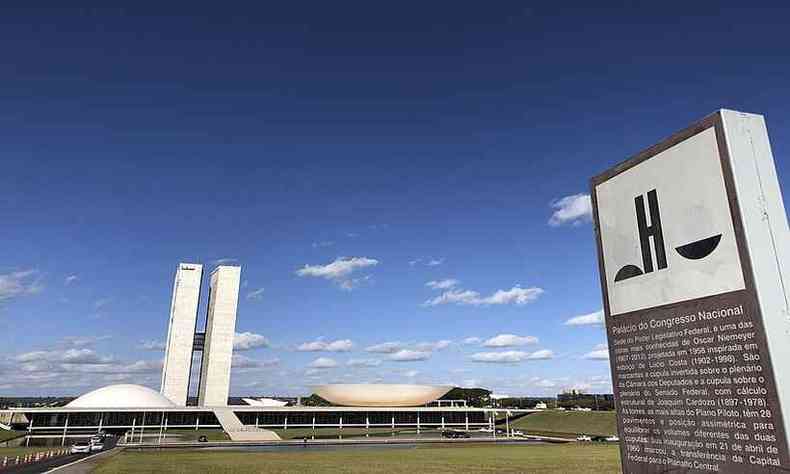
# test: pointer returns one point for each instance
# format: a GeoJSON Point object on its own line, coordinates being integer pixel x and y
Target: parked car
{"type": "Point", "coordinates": [517, 433]}
{"type": "Point", "coordinates": [81, 447]}
{"type": "Point", "coordinates": [202, 439]}
{"type": "Point", "coordinates": [583, 437]}
{"type": "Point", "coordinates": [485, 430]}
{"type": "Point", "coordinates": [97, 446]}
{"type": "Point", "coordinates": [455, 434]}
{"type": "Point", "coordinates": [612, 439]}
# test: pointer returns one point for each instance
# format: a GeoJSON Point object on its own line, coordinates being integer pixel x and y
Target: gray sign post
{"type": "Point", "coordinates": [694, 256]}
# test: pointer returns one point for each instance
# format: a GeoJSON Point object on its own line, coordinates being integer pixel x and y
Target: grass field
{"type": "Point", "coordinates": [6, 435]}
{"type": "Point", "coordinates": [601, 423]}
{"type": "Point", "coordinates": [193, 435]}
{"type": "Point", "coordinates": [578, 459]}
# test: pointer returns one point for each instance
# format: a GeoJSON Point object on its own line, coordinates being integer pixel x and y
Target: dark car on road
{"type": "Point", "coordinates": [455, 434]}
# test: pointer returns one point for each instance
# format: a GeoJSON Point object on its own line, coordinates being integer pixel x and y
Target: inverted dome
{"type": "Point", "coordinates": [380, 395]}
{"type": "Point", "coordinates": [122, 396]}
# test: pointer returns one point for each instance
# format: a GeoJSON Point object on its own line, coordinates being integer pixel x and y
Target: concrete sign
{"type": "Point", "coordinates": [694, 254]}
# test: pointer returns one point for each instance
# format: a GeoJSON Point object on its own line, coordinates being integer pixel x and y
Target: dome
{"type": "Point", "coordinates": [122, 396]}
{"type": "Point", "coordinates": [380, 395]}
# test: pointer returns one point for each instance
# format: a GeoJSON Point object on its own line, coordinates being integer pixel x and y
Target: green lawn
{"type": "Point", "coordinates": [578, 459]}
{"type": "Point", "coordinates": [565, 423]}
{"type": "Point", "coordinates": [6, 435]}
{"type": "Point", "coordinates": [193, 435]}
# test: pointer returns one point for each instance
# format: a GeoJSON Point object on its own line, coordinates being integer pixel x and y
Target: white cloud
{"type": "Point", "coordinates": [385, 347]}
{"type": "Point", "coordinates": [20, 283]}
{"type": "Point", "coordinates": [442, 284]}
{"type": "Point", "coordinates": [323, 363]}
{"type": "Point", "coordinates": [573, 209]}
{"type": "Point", "coordinates": [82, 341]}
{"type": "Point", "coordinates": [408, 355]}
{"type": "Point", "coordinates": [152, 345]}
{"type": "Point", "coordinates": [516, 295]}
{"type": "Point", "coordinates": [101, 303]}
{"type": "Point", "coordinates": [224, 261]}
{"type": "Point", "coordinates": [351, 283]}
{"type": "Point", "coordinates": [411, 373]}
{"type": "Point", "coordinates": [599, 352]}
{"type": "Point", "coordinates": [592, 319]}
{"type": "Point", "coordinates": [414, 262]}
{"type": "Point", "coordinates": [339, 270]}
{"type": "Point", "coordinates": [510, 340]}
{"type": "Point", "coordinates": [433, 346]}
{"type": "Point", "coordinates": [472, 340]}
{"type": "Point", "coordinates": [256, 294]}
{"type": "Point", "coordinates": [245, 341]}
{"type": "Point", "coordinates": [363, 362]}
{"type": "Point", "coordinates": [69, 356]}
{"type": "Point", "coordinates": [243, 362]}
{"type": "Point", "coordinates": [341, 345]}
{"type": "Point", "coordinates": [70, 279]}
{"type": "Point", "coordinates": [511, 357]}
{"type": "Point", "coordinates": [434, 262]}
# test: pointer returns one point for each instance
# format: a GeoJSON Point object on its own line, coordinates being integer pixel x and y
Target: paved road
{"type": "Point", "coordinates": [53, 463]}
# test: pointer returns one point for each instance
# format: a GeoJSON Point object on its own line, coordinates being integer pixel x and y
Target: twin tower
{"type": "Point", "coordinates": [216, 343]}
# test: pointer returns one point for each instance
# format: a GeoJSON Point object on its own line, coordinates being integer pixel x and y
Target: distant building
{"type": "Point", "coordinates": [592, 401]}
{"type": "Point", "coordinates": [181, 333]}
{"type": "Point", "coordinates": [214, 384]}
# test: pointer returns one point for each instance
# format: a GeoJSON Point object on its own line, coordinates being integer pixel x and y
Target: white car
{"type": "Point", "coordinates": [81, 447]}
{"type": "Point", "coordinates": [613, 439]}
{"type": "Point", "coordinates": [517, 433]}
{"type": "Point", "coordinates": [583, 438]}
{"type": "Point", "coordinates": [485, 430]}
{"type": "Point", "coordinates": [97, 446]}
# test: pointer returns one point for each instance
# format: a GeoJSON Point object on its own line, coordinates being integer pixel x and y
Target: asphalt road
{"type": "Point", "coordinates": [49, 464]}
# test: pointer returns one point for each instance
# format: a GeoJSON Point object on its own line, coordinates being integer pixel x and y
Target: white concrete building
{"type": "Point", "coordinates": [220, 330]}
{"type": "Point", "coordinates": [181, 332]}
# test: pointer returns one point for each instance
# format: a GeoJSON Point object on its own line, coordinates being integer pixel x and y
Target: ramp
{"type": "Point", "coordinates": [240, 432]}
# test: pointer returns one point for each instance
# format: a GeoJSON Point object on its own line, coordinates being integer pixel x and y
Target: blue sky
{"type": "Point", "coordinates": [409, 175]}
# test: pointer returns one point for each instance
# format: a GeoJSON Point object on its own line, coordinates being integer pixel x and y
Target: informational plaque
{"type": "Point", "coordinates": [694, 255]}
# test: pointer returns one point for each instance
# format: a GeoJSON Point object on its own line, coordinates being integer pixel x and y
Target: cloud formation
{"type": "Point", "coordinates": [363, 362]}
{"type": "Point", "coordinates": [152, 345]}
{"type": "Point", "coordinates": [340, 345]}
{"type": "Point", "coordinates": [592, 319]}
{"type": "Point", "coordinates": [516, 295]}
{"type": "Point", "coordinates": [574, 210]}
{"type": "Point", "coordinates": [245, 341]}
{"type": "Point", "coordinates": [442, 284]}
{"type": "Point", "coordinates": [511, 357]}
{"type": "Point", "coordinates": [70, 279]}
{"type": "Point", "coordinates": [21, 283]}
{"type": "Point", "coordinates": [510, 340]}
{"type": "Point", "coordinates": [599, 352]}
{"type": "Point", "coordinates": [339, 271]}
{"type": "Point", "coordinates": [433, 346]}
{"type": "Point", "coordinates": [323, 363]}
{"type": "Point", "coordinates": [256, 294]}
{"type": "Point", "coordinates": [408, 355]}
{"type": "Point", "coordinates": [385, 347]}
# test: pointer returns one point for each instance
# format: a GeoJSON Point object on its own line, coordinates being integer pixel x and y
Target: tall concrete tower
{"type": "Point", "coordinates": [181, 332]}
{"type": "Point", "coordinates": [220, 329]}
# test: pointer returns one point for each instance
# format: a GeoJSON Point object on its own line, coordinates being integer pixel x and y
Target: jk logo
{"type": "Point", "coordinates": [654, 257]}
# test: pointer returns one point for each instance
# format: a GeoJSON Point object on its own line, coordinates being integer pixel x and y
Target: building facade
{"type": "Point", "coordinates": [214, 384]}
{"type": "Point", "coordinates": [181, 332]}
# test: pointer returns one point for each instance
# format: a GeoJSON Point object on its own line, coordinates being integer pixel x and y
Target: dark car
{"type": "Point", "coordinates": [202, 439]}
{"type": "Point", "coordinates": [455, 434]}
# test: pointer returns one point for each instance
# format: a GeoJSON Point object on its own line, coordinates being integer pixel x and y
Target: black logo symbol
{"type": "Point", "coordinates": [693, 251]}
